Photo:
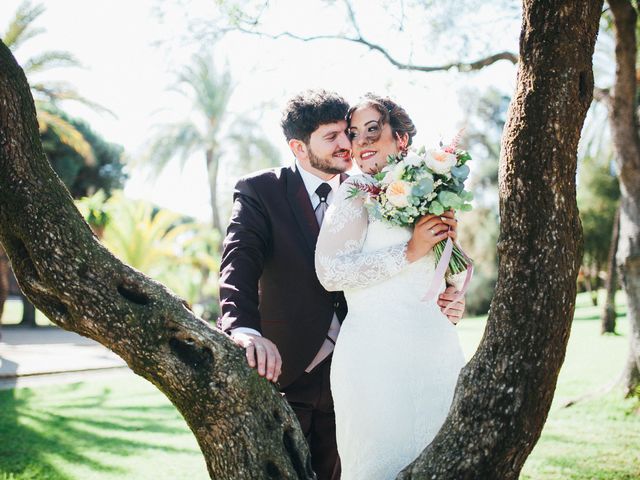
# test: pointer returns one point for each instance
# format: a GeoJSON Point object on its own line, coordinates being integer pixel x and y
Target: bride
{"type": "Point", "coordinates": [397, 359]}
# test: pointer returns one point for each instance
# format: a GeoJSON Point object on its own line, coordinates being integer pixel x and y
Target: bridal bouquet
{"type": "Point", "coordinates": [427, 181]}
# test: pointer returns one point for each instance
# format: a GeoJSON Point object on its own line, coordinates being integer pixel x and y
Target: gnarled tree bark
{"type": "Point", "coordinates": [505, 392]}
{"type": "Point", "coordinates": [244, 428]}
{"type": "Point", "coordinates": [626, 140]}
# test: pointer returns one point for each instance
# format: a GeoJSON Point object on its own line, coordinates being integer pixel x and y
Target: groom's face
{"type": "Point", "coordinates": [329, 148]}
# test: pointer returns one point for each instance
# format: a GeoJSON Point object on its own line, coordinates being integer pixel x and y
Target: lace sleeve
{"type": "Point", "coordinates": [340, 262]}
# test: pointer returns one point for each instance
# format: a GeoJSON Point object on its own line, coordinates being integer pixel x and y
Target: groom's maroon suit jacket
{"type": "Point", "coordinates": [267, 275]}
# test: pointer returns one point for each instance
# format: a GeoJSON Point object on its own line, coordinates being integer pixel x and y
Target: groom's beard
{"type": "Point", "coordinates": [325, 165]}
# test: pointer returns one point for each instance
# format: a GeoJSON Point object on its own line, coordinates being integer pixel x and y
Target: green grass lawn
{"type": "Point", "coordinates": [126, 429]}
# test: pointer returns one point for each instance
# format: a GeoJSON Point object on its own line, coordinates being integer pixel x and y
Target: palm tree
{"type": "Point", "coordinates": [48, 95]}
{"type": "Point", "coordinates": [165, 245]}
{"type": "Point", "coordinates": [210, 129]}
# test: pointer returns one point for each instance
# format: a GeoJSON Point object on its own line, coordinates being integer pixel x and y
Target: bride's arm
{"type": "Point", "coordinates": [340, 262]}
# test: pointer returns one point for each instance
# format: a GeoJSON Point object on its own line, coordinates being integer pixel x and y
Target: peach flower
{"type": "Point", "coordinates": [440, 161]}
{"type": "Point", "coordinates": [398, 193]}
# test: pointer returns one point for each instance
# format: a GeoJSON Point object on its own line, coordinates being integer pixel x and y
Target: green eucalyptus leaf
{"type": "Point", "coordinates": [461, 172]}
{"type": "Point", "coordinates": [436, 208]}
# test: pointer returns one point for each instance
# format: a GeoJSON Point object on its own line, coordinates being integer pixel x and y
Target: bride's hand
{"type": "Point", "coordinates": [449, 218]}
{"type": "Point", "coordinates": [428, 231]}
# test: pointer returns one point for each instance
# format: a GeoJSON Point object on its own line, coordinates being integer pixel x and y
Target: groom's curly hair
{"type": "Point", "coordinates": [305, 112]}
{"type": "Point", "coordinates": [390, 112]}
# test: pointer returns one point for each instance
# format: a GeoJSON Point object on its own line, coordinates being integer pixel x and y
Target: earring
{"type": "Point", "coordinates": [402, 145]}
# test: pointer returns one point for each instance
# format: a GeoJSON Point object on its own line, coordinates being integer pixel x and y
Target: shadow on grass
{"type": "Point", "coordinates": [594, 313]}
{"type": "Point", "coordinates": [39, 435]}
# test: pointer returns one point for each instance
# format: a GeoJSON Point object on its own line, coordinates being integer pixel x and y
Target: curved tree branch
{"type": "Point", "coordinates": [359, 39]}
{"type": "Point", "coordinates": [243, 426]}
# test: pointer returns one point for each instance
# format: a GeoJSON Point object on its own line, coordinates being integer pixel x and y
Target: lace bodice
{"type": "Point", "coordinates": [341, 263]}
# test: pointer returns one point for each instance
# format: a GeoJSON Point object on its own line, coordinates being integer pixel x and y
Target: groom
{"type": "Point", "coordinates": [271, 301]}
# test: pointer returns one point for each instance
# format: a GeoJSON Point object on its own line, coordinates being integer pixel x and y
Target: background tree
{"type": "Point", "coordinates": [243, 426]}
{"type": "Point", "coordinates": [404, 18]}
{"type": "Point", "coordinates": [479, 231]}
{"type": "Point", "coordinates": [206, 131]}
{"type": "Point", "coordinates": [609, 314]}
{"type": "Point", "coordinates": [165, 245]}
{"type": "Point", "coordinates": [597, 145]}
{"type": "Point", "coordinates": [598, 195]}
{"type": "Point", "coordinates": [485, 117]}
{"type": "Point", "coordinates": [621, 103]}
{"type": "Point", "coordinates": [106, 172]}
{"type": "Point", "coordinates": [48, 94]}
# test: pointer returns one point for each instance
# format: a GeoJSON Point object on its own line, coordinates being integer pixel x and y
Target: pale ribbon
{"type": "Point", "coordinates": [438, 276]}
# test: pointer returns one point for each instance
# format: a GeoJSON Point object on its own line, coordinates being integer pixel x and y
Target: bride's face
{"type": "Point", "coordinates": [371, 141]}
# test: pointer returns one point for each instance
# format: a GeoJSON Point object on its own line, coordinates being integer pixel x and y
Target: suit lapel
{"type": "Point", "coordinates": [302, 208]}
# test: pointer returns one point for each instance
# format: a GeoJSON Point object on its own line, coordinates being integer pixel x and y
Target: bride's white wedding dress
{"type": "Point", "coordinates": [397, 359]}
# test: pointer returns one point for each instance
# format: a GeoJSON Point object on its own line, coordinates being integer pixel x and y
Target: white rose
{"type": "Point", "coordinates": [388, 177]}
{"type": "Point", "coordinates": [440, 161]}
{"type": "Point", "coordinates": [398, 193]}
{"type": "Point", "coordinates": [413, 159]}
{"type": "Point", "coordinates": [398, 171]}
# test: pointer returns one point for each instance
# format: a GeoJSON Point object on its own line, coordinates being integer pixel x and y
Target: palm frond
{"type": "Point", "coordinates": [211, 90]}
{"type": "Point", "coordinates": [161, 244]}
{"type": "Point", "coordinates": [20, 28]}
{"type": "Point", "coordinates": [173, 140]}
{"type": "Point", "coordinates": [55, 92]}
{"type": "Point", "coordinates": [48, 60]}
{"type": "Point", "coordinates": [252, 148]}
{"type": "Point", "coordinates": [66, 132]}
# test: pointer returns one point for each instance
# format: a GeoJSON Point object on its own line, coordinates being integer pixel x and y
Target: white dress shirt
{"type": "Point", "coordinates": [311, 183]}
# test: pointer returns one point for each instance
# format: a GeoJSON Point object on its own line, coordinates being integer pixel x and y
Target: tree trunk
{"type": "Point", "coordinates": [504, 393]}
{"type": "Point", "coordinates": [631, 376]}
{"type": "Point", "coordinates": [212, 171]}
{"type": "Point", "coordinates": [243, 426]}
{"type": "Point", "coordinates": [4, 280]}
{"type": "Point", "coordinates": [588, 284]}
{"type": "Point", "coordinates": [624, 127]}
{"type": "Point", "coordinates": [28, 313]}
{"type": "Point", "coordinates": [595, 283]}
{"type": "Point", "coordinates": [608, 318]}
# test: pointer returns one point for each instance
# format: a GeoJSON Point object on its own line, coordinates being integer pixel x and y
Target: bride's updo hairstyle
{"type": "Point", "coordinates": [390, 112]}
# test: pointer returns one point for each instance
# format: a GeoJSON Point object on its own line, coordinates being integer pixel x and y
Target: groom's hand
{"type": "Point", "coordinates": [261, 353]}
{"type": "Point", "coordinates": [454, 314]}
